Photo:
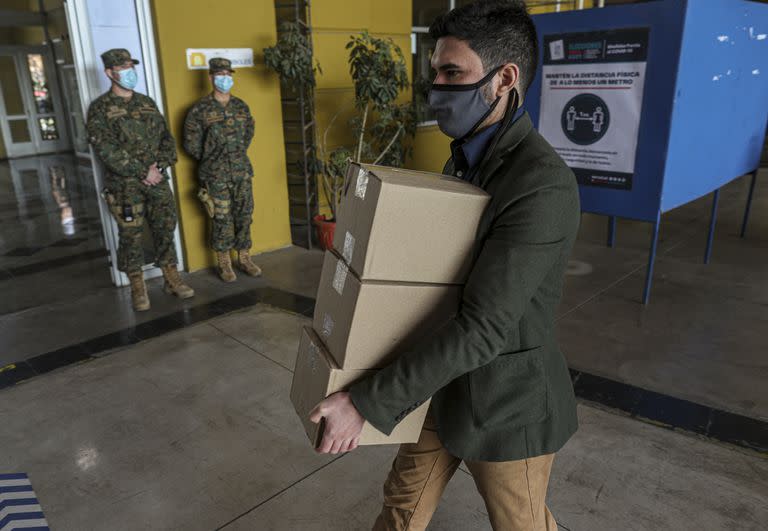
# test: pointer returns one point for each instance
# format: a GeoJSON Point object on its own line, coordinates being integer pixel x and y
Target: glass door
{"type": "Point", "coordinates": [14, 123]}
{"type": "Point", "coordinates": [75, 113]}
{"type": "Point", "coordinates": [31, 117]}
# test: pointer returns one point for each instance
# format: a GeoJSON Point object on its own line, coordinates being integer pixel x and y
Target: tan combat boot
{"type": "Point", "coordinates": [225, 266]}
{"type": "Point", "coordinates": [246, 264]}
{"type": "Point", "coordinates": [139, 295]}
{"type": "Point", "coordinates": [173, 283]}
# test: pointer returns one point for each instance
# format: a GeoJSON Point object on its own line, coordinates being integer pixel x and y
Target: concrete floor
{"type": "Point", "coordinates": [195, 430]}
{"type": "Point", "coordinates": [102, 309]}
{"type": "Point", "coordinates": [60, 283]}
{"type": "Point", "coordinates": [702, 337]}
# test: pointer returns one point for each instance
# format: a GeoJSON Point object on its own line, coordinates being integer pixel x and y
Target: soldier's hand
{"type": "Point", "coordinates": [154, 177]}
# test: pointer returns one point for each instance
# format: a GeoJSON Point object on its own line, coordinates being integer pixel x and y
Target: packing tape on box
{"type": "Point", "coordinates": [349, 247]}
{"type": "Point", "coordinates": [362, 183]}
{"type": "Point", "coordinates": [314, 356]}
{"type": "Point", "coordinates": [327, 325]}
{"type": "Point", "coordinates": [340, 278]}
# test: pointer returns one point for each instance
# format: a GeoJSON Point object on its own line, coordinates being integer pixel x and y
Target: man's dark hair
{"type": "Point", "coordinates": [499, 31]}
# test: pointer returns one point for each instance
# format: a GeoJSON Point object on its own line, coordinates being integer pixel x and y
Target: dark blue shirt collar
{"type": "Point", "coordinates": [469, 153]}
{"type": "Point", "coordinates": [474, 148]}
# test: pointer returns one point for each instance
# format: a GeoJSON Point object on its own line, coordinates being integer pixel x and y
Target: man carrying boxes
{"type": "Point", "coordinates": [501, 395]}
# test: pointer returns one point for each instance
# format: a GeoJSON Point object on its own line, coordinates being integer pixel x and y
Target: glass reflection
{"type": "Point", "coordinates": [58, 176]}
{"type": "Point", "coordinates": [43, 100]}
{"type": "Point", "coordinates": [48, 130]}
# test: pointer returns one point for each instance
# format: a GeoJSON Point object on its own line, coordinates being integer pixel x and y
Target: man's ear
{"type": "Point", "coordinates": [510, 75]}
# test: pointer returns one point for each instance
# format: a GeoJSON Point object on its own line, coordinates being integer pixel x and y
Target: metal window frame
{"type": "Point", "coordinates": [37, 144]}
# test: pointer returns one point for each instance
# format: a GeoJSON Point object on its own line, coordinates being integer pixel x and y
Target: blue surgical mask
{"type": "Point", "coordinates": [460, 109]}
{"type": "Point", "coordinates": [127, 78]}
{"type": "Point", "coordinates": [223, 83]}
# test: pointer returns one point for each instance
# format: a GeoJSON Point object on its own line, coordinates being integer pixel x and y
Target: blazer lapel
{"type": "Point", "coordinates": [509, 140]}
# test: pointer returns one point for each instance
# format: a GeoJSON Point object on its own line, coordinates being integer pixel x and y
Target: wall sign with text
{"type": "Point", "coordinates": [591, 99]}
{"type": "Point", "coordinates": [197, 58]}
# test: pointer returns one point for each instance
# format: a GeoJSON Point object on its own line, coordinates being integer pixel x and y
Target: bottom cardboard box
{"type": "Point", "coordinates": [317, 376]}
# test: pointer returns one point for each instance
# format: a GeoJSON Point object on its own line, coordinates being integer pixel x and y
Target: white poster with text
{"type": "Point", "coordinates": [591, 102]}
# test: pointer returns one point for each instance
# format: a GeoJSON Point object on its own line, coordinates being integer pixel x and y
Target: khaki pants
{"type": "Point", "coordinates": [513, 491]}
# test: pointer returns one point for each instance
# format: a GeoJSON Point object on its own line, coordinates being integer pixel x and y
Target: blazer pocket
{"type": "Point", "coordinates": [512, 390]}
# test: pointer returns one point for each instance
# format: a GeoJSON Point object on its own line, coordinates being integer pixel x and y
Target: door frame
{"type": "Point", "coordinates": [36, 145]}
{"type": "Point", "coordinates": [89, 70]}
{"type": "Point", "coordinates": [64, 70]}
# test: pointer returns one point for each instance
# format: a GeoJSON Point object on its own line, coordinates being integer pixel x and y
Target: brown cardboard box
{"type": "Point", "coordinates": [317, 376]}
{"type": "Point", "coordinates": [408, 226]}
{"type": "Point", "coordinates": [365, 324]}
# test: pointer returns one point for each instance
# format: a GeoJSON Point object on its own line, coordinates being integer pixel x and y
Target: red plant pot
{"type": "Point", "coordinates": [325, 230]}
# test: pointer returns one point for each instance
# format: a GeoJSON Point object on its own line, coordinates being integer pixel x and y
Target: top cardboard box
{"type": "Point", "coordinates": [408, 226]}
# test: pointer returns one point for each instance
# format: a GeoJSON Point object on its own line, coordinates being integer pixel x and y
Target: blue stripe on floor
{"type": "Point", "coordinates": [18, 503]}
{"type": "Point", "coordinates": [20, 517]}
{"type": "Point", "coordinates": [30, 520]}
{"type": "Point", "coordinates": [17, 488]}
{"type": "Point", "coordinates": [4, 477]}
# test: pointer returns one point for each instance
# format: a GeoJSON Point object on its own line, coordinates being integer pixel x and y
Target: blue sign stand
{"type": "Point", "coordinates": [748, 208]}
{"type": "Point", "coordinates": [701, 120]}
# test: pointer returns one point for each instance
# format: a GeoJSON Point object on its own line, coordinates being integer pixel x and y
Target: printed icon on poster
{"type": "Point", "coordinates": [585, 119]}
{"type": "Point", "coordinates": [557, 50]}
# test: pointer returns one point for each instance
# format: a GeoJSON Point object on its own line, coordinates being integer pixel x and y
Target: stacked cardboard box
{"type": "Point", "coordinates": [403, 248]}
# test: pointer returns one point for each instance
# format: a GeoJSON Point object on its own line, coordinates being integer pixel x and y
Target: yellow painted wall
{"type": "Point", "coordinates": [246, 24]}
{"type": "Point", "coordinates": [333, 22]}
{"type": "Point", "coordinates": [538, 10]}
{"type": "Point", "coordinates": [431, 149]}
{"type": "Point", "coordinates": [21, 34]}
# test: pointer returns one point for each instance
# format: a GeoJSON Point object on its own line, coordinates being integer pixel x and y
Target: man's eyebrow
{"type": "Point", "coordinates": [449, 66]}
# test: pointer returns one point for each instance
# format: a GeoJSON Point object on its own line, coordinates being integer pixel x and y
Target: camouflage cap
{"type": "Point", "coordinates": [117, 57]}
{"type": "Point", "coordinates": [219, 64]}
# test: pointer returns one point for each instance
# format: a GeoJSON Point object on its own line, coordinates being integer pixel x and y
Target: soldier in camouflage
{"type": "Point", "coordinates": [217, 132]}
{"type": "Point", "coordinates": [131, 138]}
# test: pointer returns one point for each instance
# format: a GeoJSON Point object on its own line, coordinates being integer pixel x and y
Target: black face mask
{"type": "Point", "coordinates": [460, 109]}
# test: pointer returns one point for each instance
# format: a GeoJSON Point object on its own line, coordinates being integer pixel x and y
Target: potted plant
{"type": "Point", "coordinates": [380, 127]}
{"type": "Point", "coordinates": [291, 57]}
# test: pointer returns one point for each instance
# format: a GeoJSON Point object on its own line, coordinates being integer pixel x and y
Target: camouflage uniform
{"type": "Point", "coordinates": [128, 136]}
{"type": "Point", "coordinates": [218, 137]}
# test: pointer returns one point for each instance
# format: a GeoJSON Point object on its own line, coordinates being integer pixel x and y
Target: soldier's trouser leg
{"type": "Point", "coordinates": [161, 216]}
{"type": "Point", "coordinates": [129, 200]}
{"type": "Point", "coordinates": [223, 230]}
{"type": "Point", "coordinates": [242, 213]}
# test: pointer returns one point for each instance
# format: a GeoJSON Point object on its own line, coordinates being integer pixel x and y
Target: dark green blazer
{"type": "Point", "coordinates": [499, 384]}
